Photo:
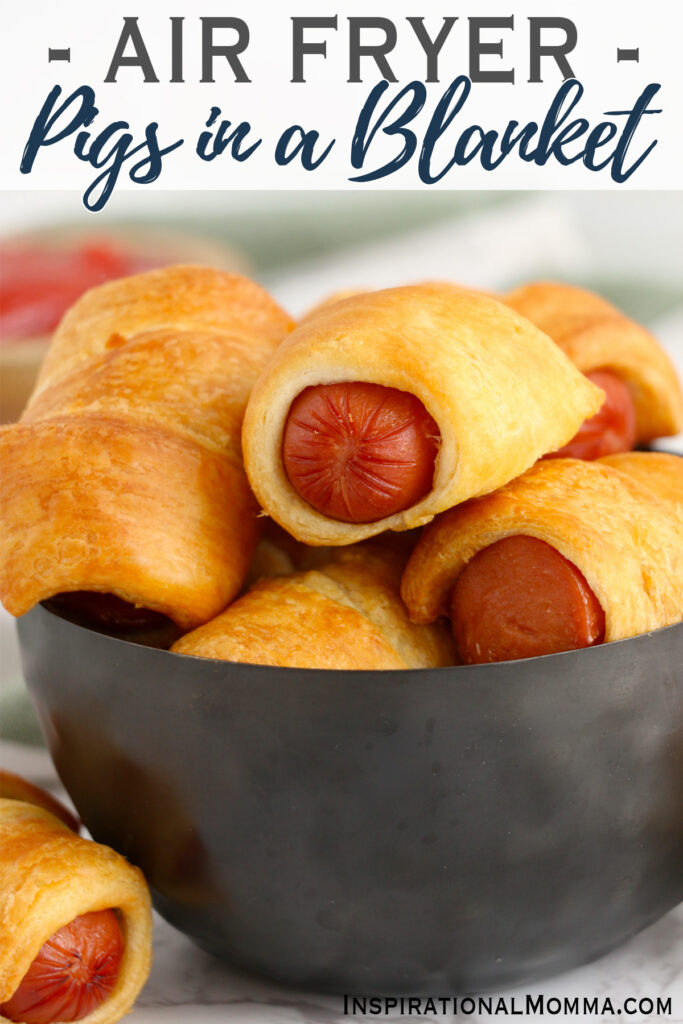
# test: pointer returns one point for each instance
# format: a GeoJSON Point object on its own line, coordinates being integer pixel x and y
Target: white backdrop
{"type": "Point", "coordinates": [327, 101]}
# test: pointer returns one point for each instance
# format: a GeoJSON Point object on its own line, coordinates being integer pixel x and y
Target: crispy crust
{"type": "Point", "coordinates": [346, 614]}
{"type": "Point", "coordinates": [501, 393]}
{"type": "Point", "coordinates": [175, 299]}
{"type": "Point", "coordinates": [332, 300]}
{"type": "Point", "coordinates": [48, 877]}
{"type": "Point", "coordinates": [595, 335]}
{"type": "Point", "coordinates": [125, 473]}
{"type": "Point", "coordinates": [625, 537]}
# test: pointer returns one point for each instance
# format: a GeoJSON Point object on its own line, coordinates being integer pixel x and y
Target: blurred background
{"type": "Point", "coordinates": [305, 245]}
{"type": "Point", "coordinates": [629, 243]}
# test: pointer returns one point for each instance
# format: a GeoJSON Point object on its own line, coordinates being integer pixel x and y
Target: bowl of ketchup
{"type": "Point", "coordinates": [458, 829]}
{"type": "Point", "coordinates": [43, 273]}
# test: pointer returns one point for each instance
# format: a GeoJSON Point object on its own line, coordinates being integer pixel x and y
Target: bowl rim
{"type": "Point", "coordinates": [596, 650]}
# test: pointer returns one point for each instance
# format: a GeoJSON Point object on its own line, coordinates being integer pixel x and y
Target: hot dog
{"type": "Point", "coordinates": [598, 337]}
{"type": "Point", "coordinates": [359, 452]}
{"type": "Point", "coordinates": [111, 614]}
{"type": "Point", "coordinates": [611, 430]}
{"type": "Point", "coordinates": [74, 972]}
{"type": "Point", "coordinates": [108, 610]}
{"type": "Point", "coordinates": [75, 923]}
{"type": "Point", "coordinates": [567, 555]}
{"type": "Point", "coordinates": [486, 395]}
{"type": "Point", "coordinates": [520, 598]}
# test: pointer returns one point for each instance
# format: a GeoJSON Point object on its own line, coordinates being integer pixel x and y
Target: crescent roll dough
{"type": "Point", "coordinates": [125, 473]}
{"type": "Point", "coordinates": [48, 877]}
{"type": "Point", "coordinates": [657, 471]}
{"type": "Point", "coordinates": [346, 614]}
{"type": "Point", "coordinates": [14, 787]}
{"type": "Point", "coordinates": [624, 535]}
{"type": "Point", "coordinates": [596, 336]}
{"type": "Point", "coordinates": [500, 392]}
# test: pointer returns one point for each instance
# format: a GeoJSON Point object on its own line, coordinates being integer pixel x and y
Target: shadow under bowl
{"type": "Point", "coordinates": [456, 829]}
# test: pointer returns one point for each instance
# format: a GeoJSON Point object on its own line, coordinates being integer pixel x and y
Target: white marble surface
{"type": "Point", "coordinates": [187, 986]}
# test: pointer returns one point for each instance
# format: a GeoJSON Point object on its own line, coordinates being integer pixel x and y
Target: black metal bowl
{"type": "Point", "coordinates": [454, 829]}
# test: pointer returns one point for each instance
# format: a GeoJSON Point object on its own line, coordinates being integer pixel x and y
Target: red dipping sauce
{"type": "Point", "coordinates": [38, 283]}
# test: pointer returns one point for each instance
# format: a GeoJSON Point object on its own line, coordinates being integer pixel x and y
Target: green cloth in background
{"type": "Point", "coordinates": [17, 717]}
{"type": "Point", "coordinates": [282, 235]}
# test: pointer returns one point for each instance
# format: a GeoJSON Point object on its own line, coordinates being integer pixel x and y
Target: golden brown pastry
{"type": "Point", "coordinates": [279, 554]}
{"type": "Point", "coordinates": [14, 787]}
{"type": "Point", "coordinates": [346, 614]}
{"type": "Point", "coordinates": [124, 476]}
{"type": "Point", "coordinates": [332, 300]}
{"type": "Point", "coordinates": [347, 293]}
{"type": "Point", "coordinates": [270, 559]}
{"type": "Point", "coordinates": [568, 555]}
{"type": "Point", "coordinates": [56, 887]}
{"type": "Point", "coordinates": [597, 337]}
{"type": "Point", "coordinates": [58, 264]}
{"type": "Point", "coordinates": [385, 408]}
{"type": "Point", "coordinates": [658, 471]}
